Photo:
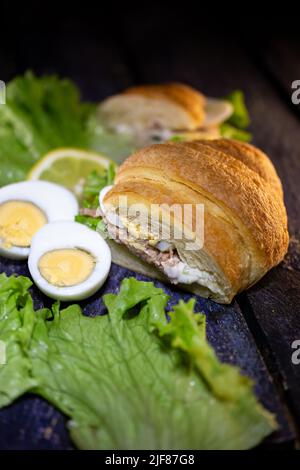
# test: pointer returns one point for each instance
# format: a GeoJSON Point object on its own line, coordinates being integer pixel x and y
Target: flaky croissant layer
{"type": "Point", "coordinates": [245, 223]}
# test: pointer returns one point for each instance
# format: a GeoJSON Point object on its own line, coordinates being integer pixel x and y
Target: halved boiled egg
{"type": "Point", "coordinates": [68, 261]}
{"type": "Point", "coordinates": [26, 207]}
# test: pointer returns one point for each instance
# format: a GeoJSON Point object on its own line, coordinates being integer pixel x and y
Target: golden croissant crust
{"type": "Point", "coordinates": [245, 221]}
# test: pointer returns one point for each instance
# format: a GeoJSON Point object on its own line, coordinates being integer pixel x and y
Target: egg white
{"type": "Point", "coordinates": [112, 217]}
{"type": "Point", "coordinates": [55, 201]}
{"type": "Point", "coordinates": [64, 235]}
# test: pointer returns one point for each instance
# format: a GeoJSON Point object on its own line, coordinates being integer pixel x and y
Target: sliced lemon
{"type": "Point", "coordinates": [69, 167]}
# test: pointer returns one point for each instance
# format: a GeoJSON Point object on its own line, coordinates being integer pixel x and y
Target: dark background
{"type": "Point", "coordinates": [114, 41]}
{"type": "Point", "coordinates": [108, 49]}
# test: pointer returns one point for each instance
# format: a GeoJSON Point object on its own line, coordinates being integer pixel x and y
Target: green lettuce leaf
{"type": "Point", "coordinates": [240, 116]}
{"type": "Point", "coordinates": [129, 379]}
{"type": "Point", "coordinates": [235, 127]}
{"type": "Point", "coordinates": [91, 189]}
{"type": "Point", "coordinates": [177, 138]}
{"type": "Point", "coordinates": [40, 114]}
{"type": "Point", "coordinates": [16, 326]}
{"type": "Point", "coordinates": [93, 185]}
{"type": "Point", "coordinates": [230, 132]}
{"type": "Point", "coordinates": [187, 332]}
{"type": "Point", "coordinates": [89, 221]}
{"type": "Point", "coordinates": [116, 146]}
{"type": "Point", "coordinates": [44, 113]}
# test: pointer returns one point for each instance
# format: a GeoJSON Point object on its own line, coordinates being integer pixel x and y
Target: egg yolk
{"type": "Point", "coordinates": [19, 221]}
{"type": "Point", "coordinates": [66, 267]}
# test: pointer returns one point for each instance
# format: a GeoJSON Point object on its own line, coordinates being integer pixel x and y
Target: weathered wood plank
{"type": "Point", "coordinates": [32, 424]}
{"type": "Point", "coordinates": [275, 304]}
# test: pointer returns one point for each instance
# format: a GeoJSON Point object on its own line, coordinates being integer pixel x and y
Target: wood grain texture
{"type": "Point", "coordinates": [275, 304]}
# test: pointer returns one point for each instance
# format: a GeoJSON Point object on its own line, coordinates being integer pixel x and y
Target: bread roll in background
{"type": "Point", "coordinates": [245, 221]}
{"type": "Point", "coordinates": [170, 106]}
{"type": "Point", "coordinates": [157, 113]}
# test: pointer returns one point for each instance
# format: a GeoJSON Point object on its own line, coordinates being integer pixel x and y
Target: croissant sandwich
{"type": "Point", "coordinates": [243, 229]}
{"type": "Point", "coordinates": [157, 112]}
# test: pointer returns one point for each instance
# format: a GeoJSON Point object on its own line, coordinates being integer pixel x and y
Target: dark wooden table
{"type": "Point", "coordinates": [106, 55]}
